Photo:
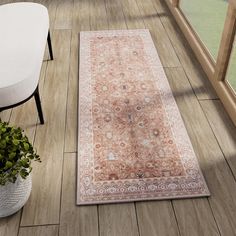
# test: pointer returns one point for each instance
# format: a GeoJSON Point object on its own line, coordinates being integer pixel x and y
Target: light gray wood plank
{"type": "Point", "coordinates": [195, 218]}
{"type": "Point", "coordinates": [118, 220]}
{"type": "Point", "coordinates": [75, 220]}
{"type": "Point", "coordinates": [132, 14]}
{"type": "Point", "coordinates": [161, 40]}
{"type": "Point", "coordinates": [156, 218]}
{"type": "Point", "coordinates": [44, 203]}
{"type": "Point", "coordinates": [5, 115]}
{"type": "Point", "coordinates": [115, 15]}
{"type": "Point", "coordinates": [98, 15]}
{"type": "Point", "coordinates": [224, 130]}
{"type": "Point", "coordinates": [51, 230]}
{"type": "Point", "coordinates": [64, 14]}
{"type": "Point", "coordinates": [80, 23]}
{"type": "Point", "coordinates": [72, 102]}
{"type": "Point", "coordinates": [81, 19]}
{"type": "Point", "coordinates": [9, 225]}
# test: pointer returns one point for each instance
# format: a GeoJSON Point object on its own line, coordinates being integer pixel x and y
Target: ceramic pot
{"type": "Point", "coordinates": [13, 196]}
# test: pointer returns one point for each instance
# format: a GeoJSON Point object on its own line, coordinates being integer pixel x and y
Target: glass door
{"type": "Point", "coordinates": [231, 72]}
{"type": "Point", "coordinates": [210, 28]}
{"type": "Point", "coordinates": [207, 18]}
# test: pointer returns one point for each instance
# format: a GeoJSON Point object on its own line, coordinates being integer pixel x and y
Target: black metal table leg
{"type": "Point", "coordinates": [38, 104]}
{"type": "Point", "coordinates": [50, 46]}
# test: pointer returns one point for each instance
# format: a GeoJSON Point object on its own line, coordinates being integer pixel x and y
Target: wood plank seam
{"type": "Point", "coordinates": [176, 219]}
{"type": "Point", "coordinates": [68, 75]}
{"type": "Point", "coordinates": [136, 213]}
{"type": "Point", "coordinates": [99, 230]}
{"type": "Point", "coordinates": [18, 231]}
{"type": "Point", "coordinates": [218, 228]}
{"type": "Point", "coordinates": [35, 129]}
{"type": "Point", "coordinates": [31, 226]}
{"type": "Point", "coordinates": [208, 99]}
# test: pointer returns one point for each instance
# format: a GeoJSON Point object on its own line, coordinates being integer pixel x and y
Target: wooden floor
{"type": "Point", "coordinates": [51, 209]}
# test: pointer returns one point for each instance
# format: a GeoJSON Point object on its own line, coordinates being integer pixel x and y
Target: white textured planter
{"type": "Point", "coordinates": [14, 196]}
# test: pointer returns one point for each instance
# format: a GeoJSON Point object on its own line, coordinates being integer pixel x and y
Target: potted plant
{"type": "Point", "coordinates": [16, 156]}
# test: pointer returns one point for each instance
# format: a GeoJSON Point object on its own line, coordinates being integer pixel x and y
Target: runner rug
{"type": "Point", "coordinates": [132, 142]}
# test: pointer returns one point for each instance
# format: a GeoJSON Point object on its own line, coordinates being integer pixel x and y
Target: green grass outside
{"type": "Point", "coordinates": [207, 18]}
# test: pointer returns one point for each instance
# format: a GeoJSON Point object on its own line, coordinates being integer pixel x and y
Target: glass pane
{"type": "Point", "coordinates": [231, 73]}
{"type": "Point", "coordinates": [207, 19]}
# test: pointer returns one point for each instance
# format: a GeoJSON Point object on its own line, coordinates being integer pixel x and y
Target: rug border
{"type": "Point", "coordinates": [142, 200]}
{"type": "Point", "coordinates": [78, 202]}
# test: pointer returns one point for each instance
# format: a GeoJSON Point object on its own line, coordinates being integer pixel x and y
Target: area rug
{"type": "Point", "coordinates": [132, 143]}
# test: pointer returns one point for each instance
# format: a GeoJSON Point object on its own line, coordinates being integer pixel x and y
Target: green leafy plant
{"type": "Point", "coordinates": [16, 154]}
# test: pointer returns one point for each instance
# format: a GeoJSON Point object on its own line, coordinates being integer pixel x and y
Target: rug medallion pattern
{"type": "Point", "coordinates": [132, 141]}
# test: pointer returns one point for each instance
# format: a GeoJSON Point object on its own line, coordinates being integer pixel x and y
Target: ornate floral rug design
{"type": "Point", "coordinates": [132, 142]}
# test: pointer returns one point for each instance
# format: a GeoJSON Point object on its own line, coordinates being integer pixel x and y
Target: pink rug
{"type": "Point", "coordinates": [132, 142]}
